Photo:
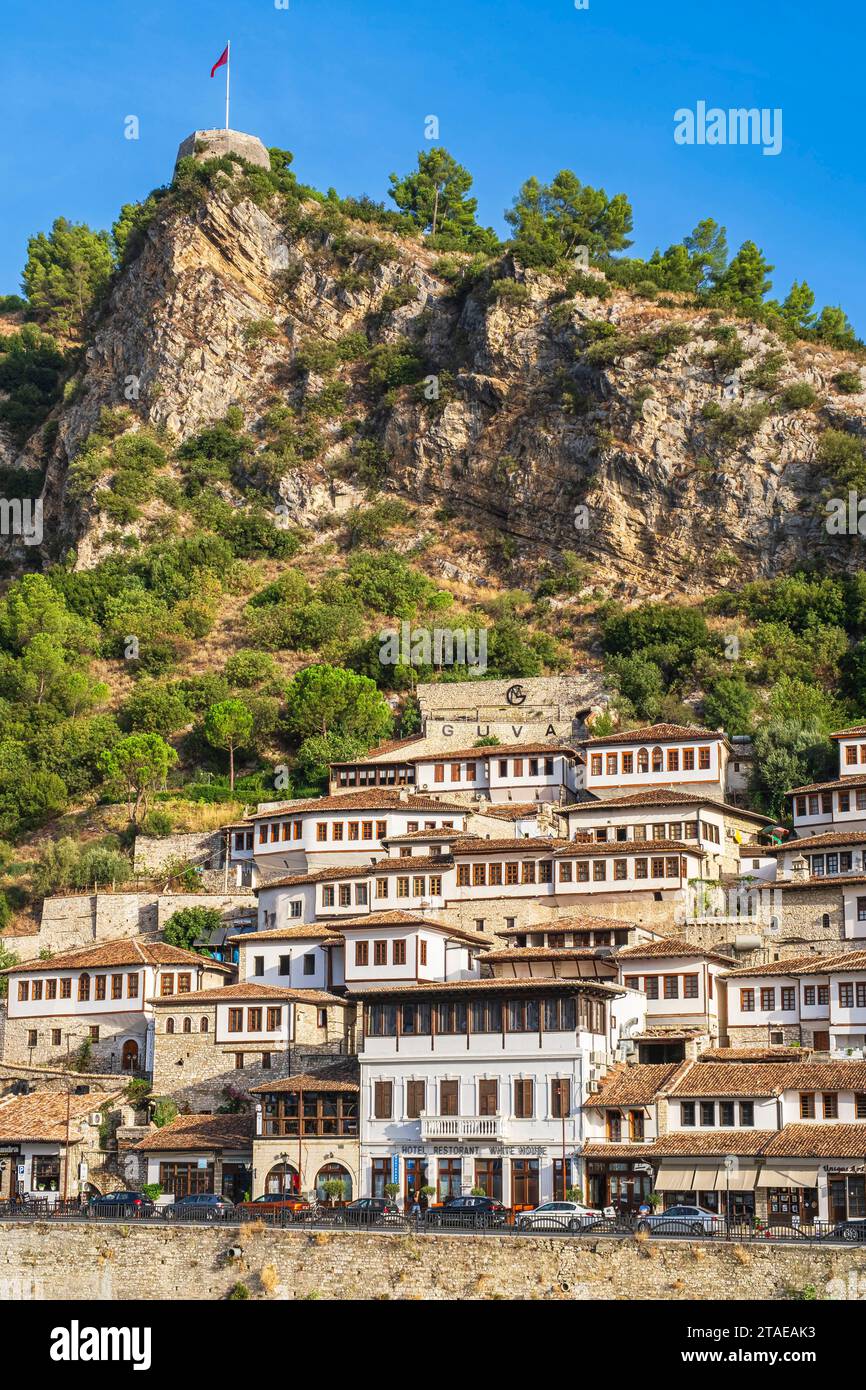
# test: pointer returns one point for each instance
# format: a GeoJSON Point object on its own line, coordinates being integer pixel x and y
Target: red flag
{"type": "Point", "coordinates": [221, 60]}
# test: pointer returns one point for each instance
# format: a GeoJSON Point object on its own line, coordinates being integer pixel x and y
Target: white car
{"type": "Point", "coordinates": [559, 1216]}
{"type": "Point", "coordinates": [681, 1220]}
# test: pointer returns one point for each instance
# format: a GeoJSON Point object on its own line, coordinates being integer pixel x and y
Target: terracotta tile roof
{"type": "Point", "coordinates": [311, 932]}
{"type": "Point", "coordinates": [839, 784]}
{"type": "Point", "coordinates": [307, 1082]}
{"type": "Point", "coordinates": [41, 1116]}
{"type": "Point", "coordinates": [248, 990]}
{"type": "Point", "coordinates": [397, 918]}
{"type": "Point", "coordinates": [748, 1079]}
{"type": "Point", "coordinates": [817, 881]}
{"type": "Point", "coordinates": [746, 1143]}
{"type": "Point", "coordinates": [416, 836]}
{"type": "Point", "coordinates": [579, 849]}
{"type": "Point", "coordinates": [490, 985]}
{"type": "Point", "coordinates": [512, 810]}
{"type": "Point", "coordinates": [670, 946]}
{"type": "Point", "coordinates": [828, 838]}
{"type": "Point", "coordinates": [659, 796]}
{"type": "Point", "coordinates": [493, 750]}
{"type": "Point", "coordinates": [803, 965]}
{"type": "Point", "coordinates": [636, 1085]}
{"type": "Point", "coordinates": [658, 733]}
{"type": "Point", "coordinates": [756, 1054]}
{"type": "Point", "coordinates": [617, 1153]}
{"type": "Point", "coordinates": [379, 866]}
{"type": "Point", "coordinates": [507, 845]}
{"type": "Point", "coordinates": [393, 745]}
{"type": "Point", "coordinates": [129, 950]}
{"type": "Point", "coordinates": [205, 1132]}
{"type": "Point", "coordinates": [819, 1140]}
{"type": "Point", "coordinates": [551, 953]}
{"type": "Point", "coordinates": [570, 924]}
{"type": "Point", "coordinates": [853, 732]}
{"type": "Point", "coordinates": [372, 799]}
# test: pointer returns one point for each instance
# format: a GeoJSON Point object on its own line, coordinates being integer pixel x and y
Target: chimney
{"type": "Point", "coordinates": [799, 869]}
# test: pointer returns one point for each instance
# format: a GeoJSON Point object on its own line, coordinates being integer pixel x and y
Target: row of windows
{"type": "Point", "coordinates": [570, 871]}
{"type": "Point", "coordinates": [659, 830]}
{"type": "Point", "coordinates": [57, 1036]}
{"type": "Point", "coordinates": [416, 886]}
{"type": "Point", "coordinates": [829, 1105]}
{"type": "Point", "coordinates": [285, 964]}
{"type": "Point", "coordinates": [689, 1113]}
{"type": "Point", "coordinates": [822, 803]}
{"type": "Point", "coordinates": [380, 952]}
{"type": "Point", "coordinates": [313, 1113]}
{"type": "Point", "coordinates": [444, 1098]}
{"type": "Point", "coordinates": [847, 993]}
{"type": "Point", "coordinates": [520, 767]}
{"type": "Point", "coordinates": [254, 1020]}
{"type": "Point", "coordinates": [99, 984]}
{"type": "Point", "coordinates": [554, 1015]}
{"type": "Point", "coordinates": [822, 864]}
{"type": "Point", "coordinates": [614, 1127]}
{"type": "Point", "coordinates": [608, 764]}
{"type": "Point", "coordinates": [673, 986]}
{"type": "Point", "coordinates": [851, 754]}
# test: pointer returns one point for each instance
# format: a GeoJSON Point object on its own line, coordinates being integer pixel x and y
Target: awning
{"type": "Point", "coordinates": [675, 1179]}
{"type": "Point", "coordinates": [742, 1179]}
{"type": "Point", "coordinates": [788, 1177]}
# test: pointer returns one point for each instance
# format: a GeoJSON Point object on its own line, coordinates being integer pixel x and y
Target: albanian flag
{"type": "Point", "coordinates": [221, 60]}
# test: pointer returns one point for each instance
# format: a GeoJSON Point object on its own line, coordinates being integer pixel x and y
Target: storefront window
{"type": "Point", "coordinates": [450, 1178]}
{"type": "Point", "coordinates": [45, 1173]}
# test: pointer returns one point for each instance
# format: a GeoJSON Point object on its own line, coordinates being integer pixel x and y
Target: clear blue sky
{"type": "Point", "coordinates": [519, 86]}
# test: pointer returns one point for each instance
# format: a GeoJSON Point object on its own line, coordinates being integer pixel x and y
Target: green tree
{"type": "Point", "coordinates": [787, 755]}
{"type": "Point", "coordinates": [729, 704]}
{"type": "Point", "coordinates": [191, 924]}
{"type": "Point", "coordinates": [7, 958]}
{"type": "Point", "coordinates": [707, 247]}
{"type": "Point", "coordinates": [153, 708]}
{"type": "Point", "coordinates": [229, 725]}
{"type": "Point", "coordinates": [797, 309]}
{"type": "Point", "coordinates": [834, 328]}
{"type": "Point", "coordinates": [745, 283]}
{"type": "Point", "coordinates": [65, 272]}
{"type": "Point", "coordinates": [141, 763]}
{"type": "Point", "coordinates": [328, 699]}
{"type": "Point", "coordinates": [435, 196]}
{"type": "Point", "coordinates": [318, 752]}
{"type": "Point", "coordinates": [551, 220]}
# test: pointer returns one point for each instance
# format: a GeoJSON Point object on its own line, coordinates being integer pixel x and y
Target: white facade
{"type": "Point", "coordinates": [654, 757]}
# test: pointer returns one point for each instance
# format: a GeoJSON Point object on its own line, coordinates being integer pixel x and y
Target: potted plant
{"type": "Point", "coordinates": [573, 1194]}
{"type": "Point", "coordinates": [477, 1192]}
{"type": "Point", "coordinates": [391, 1190]}
{"type": "Point", "coordinates": [333, 1189]}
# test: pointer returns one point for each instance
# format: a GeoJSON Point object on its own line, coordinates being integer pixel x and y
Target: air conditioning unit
{"type": "Point", "coordinates": [95, 1117]}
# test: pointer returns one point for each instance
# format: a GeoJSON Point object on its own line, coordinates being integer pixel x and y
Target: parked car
{"type": "Point", "coordinates": [275, 1202]}
{"type": "Point", "coordinates": [368, 1211]}
{"type": "Point", "coordinates": [559, 1216]}
{"type": "Point", "coordinates": [680, 1220]}
{"type": "Point", "coordinates": [854, 1228]}
{"type": "Point", "coordinates": [206, 1206]}
{"type": "Point", "coordinates": [126, 1204]}
{"type": "Point", "coordinates": [467, 1211]}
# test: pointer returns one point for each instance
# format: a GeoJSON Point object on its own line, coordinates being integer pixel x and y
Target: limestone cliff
{"type": "Point", "coordinates": [533, 422]}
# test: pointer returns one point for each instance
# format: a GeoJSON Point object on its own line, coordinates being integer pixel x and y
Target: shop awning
{"type": "Point", "coordinates": [742, 1179]}
{"type": "Point", "coordinates": [675, 1179]}
{"type": "Point", "coordinates": [788, 1177]}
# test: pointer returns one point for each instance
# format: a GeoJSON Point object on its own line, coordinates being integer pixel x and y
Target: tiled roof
{"type": "Point", "coordinates": [307, 1082]}
{"type": "Point", "coordinates": [637, 1085]}
{"type": "Point", "coordinates": [657, 733]}
{"type": "Point", "coordinates": [579, 849]}
{"type": "Point", "coordinates": [745, 1143]}
{"type": "Point", "coordinates": [818, 881]}
{"type": "Point", "coordinates": [853, 732]}
{"type": "Point", "coordinates": [507, 845]}
{"type": "Point", "coordinates": [41, 1116]}
{"type": "Point", "coordinates": [660, 796]}
{"type": "Point", "coordinates": [826, 838]}
{"type": "Point", "coordinates": [803, 965]}
{"type": "Point", "coordinates": [570, 924]}
{"type": "Point", "coordinates": [756, 1054]}
{"type": "Point", "coordinates": [311, 932]}
{"type": "Point", "coordinates": [616, 1153]}
{"type": "Point", "coordinates": [752, 1079]}
{"type": "Point", "coordinates": [670, 946]}
{"type": "Point", "coordinates": [493, 750]}
{"type": "Point", "coordinates": [205, 1132]}
{"type": "Point", "coordinates": [372, 799]}
{"type": "Point", "coordinates": [393, 745]}
{"type": "Point", "coordinates": [819, 1140]}
{"type": "Point", "coordinates": [415, 836]}
{"type": "Point", "coordinates": [249, 991]}
{"type": "Point", "coordinates": [550, 953]}
{"type": "Point", "coordinates": [838, 785]}
{"type": "Point", "coordinates": [489, 986]}
{"type": "Point", "coordinates": [128, 950]}
{"type": "Point", "coordinates": [512, 810]}
{"type": "Point", "coordinates": [379, 866]}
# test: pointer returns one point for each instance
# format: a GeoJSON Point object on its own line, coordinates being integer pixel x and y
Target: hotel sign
{"type": "Point", "coordinates": [480, 1150]}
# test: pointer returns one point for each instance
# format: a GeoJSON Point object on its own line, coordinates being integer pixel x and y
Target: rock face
{"type": "Point", "coordinates": [529, 437]}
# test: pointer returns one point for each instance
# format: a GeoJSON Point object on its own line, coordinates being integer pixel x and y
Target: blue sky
{"type": "Point", "coordinates": [519, 87]}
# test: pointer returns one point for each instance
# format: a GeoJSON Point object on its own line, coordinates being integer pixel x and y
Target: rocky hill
{"type": "Point", "coordinates": [628, 433]}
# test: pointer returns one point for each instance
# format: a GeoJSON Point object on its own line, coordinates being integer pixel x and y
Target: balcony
{"type": "Point", "coordinates": [456, 1127]}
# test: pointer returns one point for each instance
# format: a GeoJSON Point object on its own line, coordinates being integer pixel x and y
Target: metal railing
{"type": "Point", "coordinates": [442, 1220]}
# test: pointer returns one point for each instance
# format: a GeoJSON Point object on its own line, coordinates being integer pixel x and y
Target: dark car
{"type": "Point", "coordinates": [368, 1211]}
{"type": "Point", "coordinates": [467, 1211]}
{"type": "Point", "coordinates": [200, 1206]}
{"type": "Point", "coordinates": [853, 1229]}
{"type": "Point", "coordinates": [126, 1204]}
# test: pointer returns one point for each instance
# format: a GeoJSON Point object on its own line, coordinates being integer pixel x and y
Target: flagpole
{"type": "Point", "coordinates": [228, 69]}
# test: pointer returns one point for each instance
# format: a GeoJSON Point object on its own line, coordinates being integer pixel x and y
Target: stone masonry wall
{"type": "Point", "coordinates": [83, 1263]}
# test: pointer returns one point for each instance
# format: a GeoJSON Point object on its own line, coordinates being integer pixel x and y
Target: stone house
{"type": "Point", "coordinates": [51, 1146]}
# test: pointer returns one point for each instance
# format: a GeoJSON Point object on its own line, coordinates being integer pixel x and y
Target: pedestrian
{"type": "Point", "coordinates": [416, 1205]}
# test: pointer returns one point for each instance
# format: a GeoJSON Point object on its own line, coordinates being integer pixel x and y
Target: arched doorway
{"type": "Point", "coordinates": [334, 1172]}
{"type": "Point", "coordinates": [282, 1178]}
{"type": "Point", "coordinates": [129, 1055]}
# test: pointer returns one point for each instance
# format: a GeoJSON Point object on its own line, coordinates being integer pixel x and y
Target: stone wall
{"type": "Point", "coordinates": [107, 1261]}
{"type": "Point", "coordinates": [62, 1035]}
{"type": "Point", "coordinates": [153, 853]}
{"type": "Point", "coordinates": [80, 919]}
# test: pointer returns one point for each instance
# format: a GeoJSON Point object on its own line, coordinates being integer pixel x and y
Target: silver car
{"type": "Point", "coordinates": [559, 1216]}
{"type": "Point", "coordinates": [681, 1220]}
